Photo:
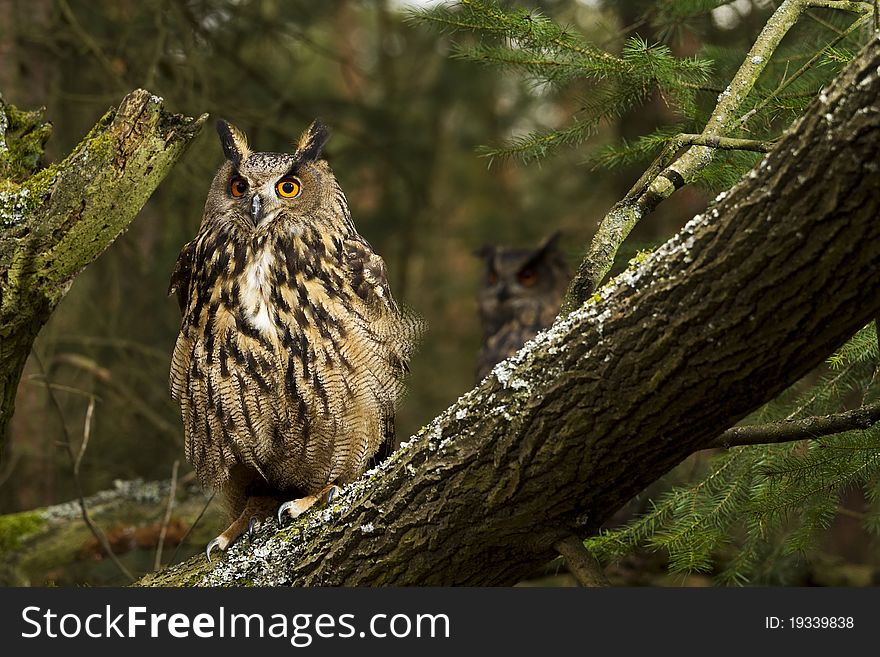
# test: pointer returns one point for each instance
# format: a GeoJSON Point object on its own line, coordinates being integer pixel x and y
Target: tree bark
{"type": "Point", "coordinates": [55, 221]}
{"type": "Point", "coordinates": [744, 301]}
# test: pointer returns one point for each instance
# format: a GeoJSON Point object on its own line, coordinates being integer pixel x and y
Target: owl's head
{"type": "Point", "coordinates": [521, 280]}
{"type": "Point", "coordinates": [254, 188]}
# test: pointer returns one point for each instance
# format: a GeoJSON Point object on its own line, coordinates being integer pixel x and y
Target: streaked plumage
{"type": "Point", "coordinates": [292, 352]}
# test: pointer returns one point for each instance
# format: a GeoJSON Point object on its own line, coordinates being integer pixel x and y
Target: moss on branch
{"type": "Point", "coordinates": [56, 220]}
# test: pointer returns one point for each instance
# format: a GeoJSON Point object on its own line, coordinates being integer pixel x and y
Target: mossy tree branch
{"type": "Point", "coordinates": [57, 220]}
{"type": "Point", "coordinates": [738, 306]}
{"type": "Point", "coordinates": [670, 171]}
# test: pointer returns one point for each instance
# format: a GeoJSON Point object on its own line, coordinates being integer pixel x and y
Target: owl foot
{"type": "Point", "coordinates": [295, 508]}
{"type": "Point", "coordinates": [254, 509]}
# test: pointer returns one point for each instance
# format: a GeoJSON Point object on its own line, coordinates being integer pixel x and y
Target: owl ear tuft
{"type": "Point", "coordinates": [551, 243]}
{"type": "Point", "coordinates": [312, 141]}
{"type": "Point", "coordinates": [234, 142]}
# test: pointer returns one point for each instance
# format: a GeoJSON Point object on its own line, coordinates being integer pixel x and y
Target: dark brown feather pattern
{"type": "Point", "coordinates": [291, 354]}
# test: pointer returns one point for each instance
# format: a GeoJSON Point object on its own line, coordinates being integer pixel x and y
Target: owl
{"type": "Point", "coordinates": [520, 295]}
{"type": "Point", "coordinates": [291, 354]}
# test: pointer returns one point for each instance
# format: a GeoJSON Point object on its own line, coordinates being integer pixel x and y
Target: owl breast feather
{"type": "Point", "coordinates": [256, 292]}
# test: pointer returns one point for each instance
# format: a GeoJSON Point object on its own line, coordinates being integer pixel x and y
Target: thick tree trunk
{"type": "Point", "coordinates": [58, 220]}
{"type": "Point", "coordinates": [739, 305]}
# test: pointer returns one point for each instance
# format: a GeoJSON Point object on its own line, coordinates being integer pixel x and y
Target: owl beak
{"type": "Point", "coordinates": [256, 209]}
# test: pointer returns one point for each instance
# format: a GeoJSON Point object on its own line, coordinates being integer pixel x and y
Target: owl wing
{"type": "Point", "coordinates": [369, 277]}
{"type": "Point", "coordinates": [182, 275]}
{"type": "Point", "coordinates": [394, 332]}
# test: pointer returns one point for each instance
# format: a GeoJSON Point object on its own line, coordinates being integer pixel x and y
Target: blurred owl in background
{"type": "Point", "coordinates": [292, 352]}
{"type": "Point", "coordinates": [520, 295]}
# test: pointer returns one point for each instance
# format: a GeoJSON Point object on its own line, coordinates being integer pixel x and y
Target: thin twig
{"type": "Point", "coordinates": [785, 431]}
{"type": "Point", "coordinates": [856, 7]}
{"type": "Point", "coordinates": [157, 563]}
{"type": "Point", "coordinates": [96, 531]}
{"type": "Point", "coordinates": [191, 527]}
{"type": "Point", "coordinates": [38, 380]}
{"type": "Point", "coordinates": [723, 143]}
{"type": "Point", "coordinates": [581, 562]}
{"type": "Point", "coordinates": [849, 513]}
{"type": "Point", "coordinates": [803, 69]}
{"type": "Point", "coordinates": [87, 432]}
{"type": "Point", "coordinates": [131, 397]}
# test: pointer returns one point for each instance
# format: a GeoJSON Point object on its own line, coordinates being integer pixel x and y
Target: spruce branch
{"type": "Point", "coordinates": [657, 185]}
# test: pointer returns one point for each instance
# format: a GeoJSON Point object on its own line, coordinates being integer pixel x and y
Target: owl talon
{"type": "Point", "coordinates": [331, 495]}
{"type": "Point", "coordinates": [282, 510]}
{"type": "Point", "coordinates": [251, 527]}
{"type": "Point", "coordinates": [295, 508]}
{"type": "Point", "coordinates": [219, 543]}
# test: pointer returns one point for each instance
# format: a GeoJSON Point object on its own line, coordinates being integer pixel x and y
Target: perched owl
{"type": "Point", "coordinates": [291, 354]}
{"type": "Point", "coordinates": [519, 296]}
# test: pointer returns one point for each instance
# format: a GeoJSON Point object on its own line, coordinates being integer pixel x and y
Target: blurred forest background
{"type": "Point", "coordinates": [406, 118]}
{"type": "Point", "coordinates": [406, 121]}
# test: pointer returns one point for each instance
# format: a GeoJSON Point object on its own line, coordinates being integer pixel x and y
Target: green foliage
{"type": "Point", "coordinates": [552, 56]}
{"type": "Point", "coordinates": [753, 508]}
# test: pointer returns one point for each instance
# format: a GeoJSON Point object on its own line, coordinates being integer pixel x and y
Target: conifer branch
{"type": "Point", "coordinates": [665, 176]}
{"type": "Point", "coordinates": [805, 428]}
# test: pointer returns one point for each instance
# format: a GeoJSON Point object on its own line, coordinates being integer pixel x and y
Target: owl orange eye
{"type": "Point", "coordinates": [288, 187]}
{"type": "Point", "coordinates": [238, 186]}
{"type": "Point", "coordinates": [527, 277]}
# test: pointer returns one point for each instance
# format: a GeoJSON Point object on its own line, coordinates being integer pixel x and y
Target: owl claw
{"type": "Point", "coordinates": [282, 510]}
{"type": "Point", "coordinates": [219, 543]}
{"type": "Point", "coordinates": [251, 525]}
{"type": "Point", "coordinates": [296, 508]}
